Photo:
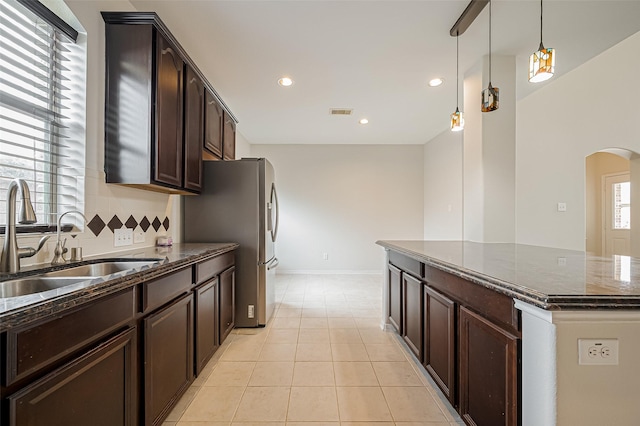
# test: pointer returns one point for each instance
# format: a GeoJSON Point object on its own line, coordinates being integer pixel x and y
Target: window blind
{"type": "Point", "coordinates": [34, 99]}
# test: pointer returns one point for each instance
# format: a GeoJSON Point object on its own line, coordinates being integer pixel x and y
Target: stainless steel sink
{"type": "Point", "coordinates": [71, 275]}
{"type": "Point", "coordinates": [30, 285]}
{"type": "Point", "coordinates": [100, 269]}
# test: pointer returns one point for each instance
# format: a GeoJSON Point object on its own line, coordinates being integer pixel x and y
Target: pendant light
{"type": "Point", "coordinates": [542, 63]}
{"type": "Point", "coordinates": [457, 120]}
{"type": "Point", "coordinates": [490, 95]}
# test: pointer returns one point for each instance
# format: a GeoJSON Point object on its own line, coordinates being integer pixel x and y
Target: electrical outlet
{"type": "Point", "coordinates": [325, 256]}
{"type": "Point", "coordinates": [122, 237]}
{"type": "Point", "coordinates": [562, 261]}
{"type": "Point", "coordinates": [138, 237]}
{"type": "Point", "coordinates": [562, 207]}
{"type": "Point", "coordinates": [251, 311]}
{"type": "Point", "coordinates": [598, 351]}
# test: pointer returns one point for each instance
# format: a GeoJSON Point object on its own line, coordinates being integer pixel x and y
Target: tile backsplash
{"type": "Point", "coordinates": [108, 207]}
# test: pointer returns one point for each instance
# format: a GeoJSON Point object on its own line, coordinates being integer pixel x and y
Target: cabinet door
{"type": "Point", "coordinates": [168, 358]}
{"type": "Point", "coordinates": [488, 372]}
{"type": "Point", "coordinates": [168, 119]}
{"type": "Point", "coordinates": [206, 323]}
{"type": "Point", "coordinates": [227, 302]}
{"type": "Point", "coordinates": [193, 130]}
{"type": "Point", "coordinates": [439, 340]}
{"type": "Point", "coordinates": [229, 138]}
{"type": "Point", "coordinates": [98, 388]}
{"type": "Point", "coordinates": [213, 125]}
{"type": "Point", "coordinates": [395, 298]}
{"type": "Point", "coordinates": [412, 315]}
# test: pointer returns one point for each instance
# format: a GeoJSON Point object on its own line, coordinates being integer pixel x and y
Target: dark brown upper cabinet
{"type": "Point", "coordinates": [155, 108]}
{"type": "Point", "coordinates": [229, 138]}
{"type": "Point", "coordinates": [168, 146]}
{"type": "Point", "coordinates": [213, 126]}
{"type": "Point", "coordinates": [194, 92]}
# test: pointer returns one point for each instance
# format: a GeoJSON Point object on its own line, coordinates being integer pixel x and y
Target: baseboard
{"type": "Point", "coordinates": [280, 271]}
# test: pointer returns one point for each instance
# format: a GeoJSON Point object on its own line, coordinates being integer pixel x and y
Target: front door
{"type": "Point", "coordinates": [617, 215]}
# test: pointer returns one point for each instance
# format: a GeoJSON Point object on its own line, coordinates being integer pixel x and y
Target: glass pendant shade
{"type": "Point", "coordinates": [490, 98]}
{"type": "Point", "coordinates": [457, 121]}
{"type": "Point", "coordinates": [542, 64]}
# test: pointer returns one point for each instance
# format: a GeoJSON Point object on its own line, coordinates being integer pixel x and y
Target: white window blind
{"type": "Point", "coordinates": [34, 100]}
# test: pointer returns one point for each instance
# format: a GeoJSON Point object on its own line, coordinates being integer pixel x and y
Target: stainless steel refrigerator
{"type": "Point", "coordinates": [239, 203]}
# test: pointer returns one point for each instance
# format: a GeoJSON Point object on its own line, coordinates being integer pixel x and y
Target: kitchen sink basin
{"type": "Point", "coordinates": [30, 285]}
{"type": "Point", "coordinates": [74, 274]}
{"type": "Point", "coordinates": [100, 269]}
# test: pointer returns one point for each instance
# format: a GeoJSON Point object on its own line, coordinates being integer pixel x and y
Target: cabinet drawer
{"type": "Point", "coordinates": [212, 267]}
{"type": "Point", "coordinates": [407, 264]}
{"type": "Point", "coordinates": [493, 305]}
{"type": "Point", "coordinates": [30, 349]}
{"type": "Point", "coordinates": [158, 292]}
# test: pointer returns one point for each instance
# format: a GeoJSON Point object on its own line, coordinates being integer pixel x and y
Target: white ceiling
{"type": "Point", "coordinates": [373, 56]}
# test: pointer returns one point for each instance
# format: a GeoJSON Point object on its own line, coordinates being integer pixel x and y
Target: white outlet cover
{"type": "Point", "coordinates": [598, 351]}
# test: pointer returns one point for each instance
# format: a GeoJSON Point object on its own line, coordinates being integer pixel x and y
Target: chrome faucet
{"type": "Point", "coordinates": [60, 250]}
{"type": "Point", "coordinates": [11, 253]}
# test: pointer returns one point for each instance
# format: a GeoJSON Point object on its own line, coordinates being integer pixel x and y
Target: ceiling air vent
{"type": "Point", "coordinates": [341, 111]}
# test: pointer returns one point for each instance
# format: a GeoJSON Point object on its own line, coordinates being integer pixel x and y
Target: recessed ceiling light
{"type": "Point", "coordinates": [285, 82]}
{"type": "Point", "coordinates": [436, 82]}
{"type": "Point", "coordinates": [363, 121]}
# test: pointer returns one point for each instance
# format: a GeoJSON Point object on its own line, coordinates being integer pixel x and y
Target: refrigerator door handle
{"type": "Point", "coordinates": [274, 201]}
{"type": "Point", "coordinates": [273, 264]}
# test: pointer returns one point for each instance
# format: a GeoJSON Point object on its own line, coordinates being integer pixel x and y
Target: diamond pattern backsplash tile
{"type": "Point", "coordinates": [156, 223]}
{"type": "Point", "coordinates": [96, 224]}
{"type": "Point", "coordinates": [114, 223]}
{"type": "Point", "coordinates": [145, 224]}
{"type": "Point", "coordinates": [131, 223]}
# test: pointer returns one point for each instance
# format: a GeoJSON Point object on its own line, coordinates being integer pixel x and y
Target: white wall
{"type": "Point", "coordinates": [341, 199]}
{"type": "Point", "coordinates": [243, 148]}
{"type": "Point", "coordinates": [489, 154]}
{"type": "Point", "coordinates": [443, 187]}
{"type": "Point", "coordinates": [593, 107]}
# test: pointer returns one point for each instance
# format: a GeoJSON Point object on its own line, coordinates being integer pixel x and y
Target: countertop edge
{"type": "Point", "coordinates": [58, 304]}
{"type": "Point", "coordinates": [527, 295]}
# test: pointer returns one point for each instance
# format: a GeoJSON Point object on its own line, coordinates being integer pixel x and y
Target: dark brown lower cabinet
{"type": "Point", "coordinates": [227, 302]}
{"type": "Point", "coordinates": [412, 316]}
{"type": "Point", "coordinates": [488, 372]}
{"type": "Point", "coordinates": [206, 324]}
{"type": "Point", "coordinates": [395, 297]}
{"type": "Point", "coordinates": [97, 388]}
{"type": "Point", "coordinates": [439, 340]}
{"type": "Point", "coordinates": [168, 358]}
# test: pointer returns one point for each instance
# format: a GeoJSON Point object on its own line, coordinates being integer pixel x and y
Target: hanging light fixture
{"type": "Point", "coordinates": [542, 63]}
{"type": "Point", "coordinates": [490, 95]}
{"type": "Point", "coordinates": [457, 120]}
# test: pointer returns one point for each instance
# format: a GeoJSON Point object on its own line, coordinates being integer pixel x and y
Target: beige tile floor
{"type": "Point", "coordinates": [322, 360]}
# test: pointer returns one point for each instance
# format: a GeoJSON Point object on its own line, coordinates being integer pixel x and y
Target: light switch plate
{"type": "Point", "coordinates": [122, 237]}
{"type": "Point", "coordinates": [138, 237]}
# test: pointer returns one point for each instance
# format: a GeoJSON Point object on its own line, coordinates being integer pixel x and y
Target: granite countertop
{"type": "Point", "coordinates": [20, 310]}
{"type": "Point", "coordinates": [546, 277]}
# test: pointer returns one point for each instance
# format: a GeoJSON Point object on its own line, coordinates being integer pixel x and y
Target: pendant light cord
{"type": "Point", "coordinates": [457, 70]}
{"type": "Point", "coordinates": [540, 24]}
{"type": "Point", "coordinates": [489, 42]}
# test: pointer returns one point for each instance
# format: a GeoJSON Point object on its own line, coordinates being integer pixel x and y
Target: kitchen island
{"type": "Point", "coordinates": [518, 334]}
